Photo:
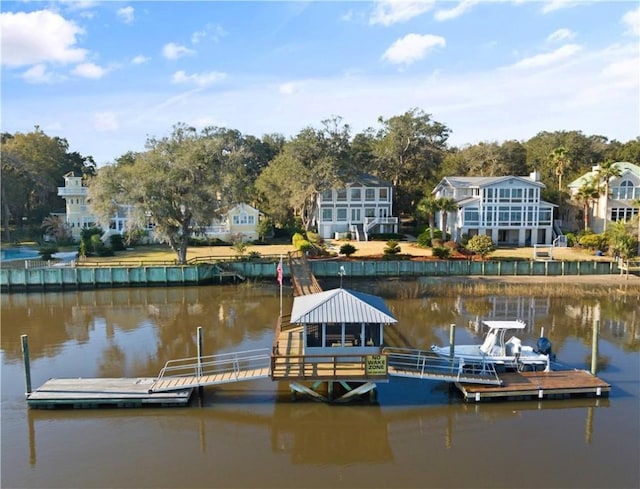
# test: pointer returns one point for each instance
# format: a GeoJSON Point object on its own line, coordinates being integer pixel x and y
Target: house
{"type": "Point", "coordinates": [362, 207]}
{"type": "Point", "coordinates": [618, 205]}
{"type": "Point", "coordinates": [239, 220]}
{"type": "Point", "coordinates": [77, 215]}
{"type": "Point", "coordinates": [508, 208]}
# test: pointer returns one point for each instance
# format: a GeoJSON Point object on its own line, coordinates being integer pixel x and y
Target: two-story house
{"type": "Point", "coordinates": [77, 214]}
{"type": "Point", "coordinates": [363, 207]}
{"type": "Point", "coordinates": [509, 209]}
{"type": "Point", "coordinates": [618, 205]}
{"type": "Point", "coordinates": [237, 221]}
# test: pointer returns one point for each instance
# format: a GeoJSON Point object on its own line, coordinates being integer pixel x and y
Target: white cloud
{"type": "Point", "coordinates": [140, 60]}
{"type": "Point", "coordinates": [289, 88]}
{"type": "Point", "coordinates": [39, 37]}
{"type": "Point", "coordinates": [89, 70]}
{"type": "Point", "coordinates": [175, 51]}
{"type": "Point", "coordinates": [560, 35]}
{"type": "Point", "coordinates": [412, 48]}
{"type": "Point", "coordinates": [458, 10]}
{"type": "Point", "coordinates": [105, 121]}
{"type": "Point", "coordinates": [198, 79]}
{"type": "Point", "coordinates": [38, 74]}
{"type": "Point", "coordinates": [546, 59]}
{"type": "Point", "coordinates": [211, 31]}
{"type": "Point", "coordinates": [632, 20]}
{"type": "Point", "coordinates": [553, 5]}
{"type": "Point", "coordinates": [126, 14]}
{"type": "Point", "coordinates": [387, 12]}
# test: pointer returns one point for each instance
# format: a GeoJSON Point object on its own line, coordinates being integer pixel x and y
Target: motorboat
{"type": "Point", "coordinates": [504, 355]}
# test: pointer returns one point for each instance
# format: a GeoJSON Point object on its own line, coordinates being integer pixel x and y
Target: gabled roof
{"type": "Point", "coordinates": [368, 180]}
{"type": "Point", "coordinates": [340, 306]}
{"type": "Point", "coordinates": [625, 167]}
{"type": "Point", "coordinates": [478, 182]}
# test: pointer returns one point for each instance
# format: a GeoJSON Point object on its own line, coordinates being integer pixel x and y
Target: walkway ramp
{"type": "Point", "coordinates": [302, 278]}
{"type": "Point", "coordinates": [420, 364]}
{"type": "Point", "coordinates": [223, 368]}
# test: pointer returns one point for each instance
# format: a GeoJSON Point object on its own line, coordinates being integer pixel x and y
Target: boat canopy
{"type": "Point", "coordinates": [517, 324]}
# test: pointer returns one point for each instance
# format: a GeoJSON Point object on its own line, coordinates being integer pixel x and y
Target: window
{"type": "Point", "coordinates": [504, 195]}
{"type": "Point", "coordinates": [488, 194]}
{"type": "Point", "coordinates": [625, 191]}
{"type": "Point", "coordinates": [516, 195]}
{"type": "Point", "coordinates": [471, 216]}
{"type": "Point", "coordinates": [243, 219]}
{"type": "Point", "coordinates": [356, 215]}
{"type": "Point", "coordinates": [327, 215]}
{"type": "Point", "coordinates": [327, 196]}
{"type": "Point", "coordinates": [516, 217]}
{"type": "Point", "coordinates": [545, 217]}
{"type": "Point", "coordinates": [341, 214]}
{"type": "Point", "coordinates": [623, 213]}
{"type": "Point", "coordinates": [342, 195]}
{"type": "Point", "coordinates": [356, 194]}
{"type": "Point", "coordinates": [369, 194]}
{"type": "Point", "coordinates": [384, 194]}
{"type": "Point", "coordinates": [370, 212]}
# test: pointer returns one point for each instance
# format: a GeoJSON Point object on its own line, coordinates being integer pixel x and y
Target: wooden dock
{"type": "Point", "coordinates": [93, 393]}
{"type": "Point", "coordinates": [519, 386]}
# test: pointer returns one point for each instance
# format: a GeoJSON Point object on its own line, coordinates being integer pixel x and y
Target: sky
{"type": "Point", "coordinates": [107, 76]}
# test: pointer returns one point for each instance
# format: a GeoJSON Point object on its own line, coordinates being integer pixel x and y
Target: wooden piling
{"type": "Point", "coordinates": [27, 367]}
{"type": "Point", "coordinates": [200, 388]}
{"type": "Point", "coordinates": [452, 339]}
{"type": "Point", "coordinates": [594, 346]}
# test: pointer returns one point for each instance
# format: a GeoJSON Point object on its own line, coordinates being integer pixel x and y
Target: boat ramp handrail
{"type": "Point", "coordinates": [425, 364]}
{"type": "Point", "coordinates": [216, 364]}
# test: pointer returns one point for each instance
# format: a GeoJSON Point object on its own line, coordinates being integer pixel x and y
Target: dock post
{"type": "Point", "coordinates": [594, 347]}
{"type": "Point", "coordinates": [27, 367]}
{"type": "Point", "coordinates": [452, 339]}
{"type": "Point", "coordinates": [200, 388]}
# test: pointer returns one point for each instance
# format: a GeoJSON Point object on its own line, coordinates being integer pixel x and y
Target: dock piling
{"type": "Point", "coordinates": [594, 346]}
{"type": "Point", "coordinates": [452, 337]}
{"type": "Point", "coordinates": [27, 367]}
{"type": "Point", "coordinates": [200, 388]}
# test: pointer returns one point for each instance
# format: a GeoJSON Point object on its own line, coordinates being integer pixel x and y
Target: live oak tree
{"type": "Point", "coordinates": [178, 183]}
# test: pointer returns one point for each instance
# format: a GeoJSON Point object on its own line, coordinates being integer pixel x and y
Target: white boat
{"type": "Point", "coordinates": [508, 355]}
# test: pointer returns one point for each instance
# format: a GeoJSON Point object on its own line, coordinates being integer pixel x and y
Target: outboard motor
{"type": "Point", "coordinates": [543, 346]}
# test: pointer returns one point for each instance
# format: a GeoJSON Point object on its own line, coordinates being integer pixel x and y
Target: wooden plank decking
{"type": "Point", "coordinates": [115, 392]}
{"type": "Point", "coordinates": [538, 385]}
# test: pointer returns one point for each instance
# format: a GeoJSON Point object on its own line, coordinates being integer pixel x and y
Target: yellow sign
{"type": "Point", "coordinates": [376, 364]}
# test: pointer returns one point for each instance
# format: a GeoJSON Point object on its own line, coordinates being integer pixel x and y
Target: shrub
{"type": "Point", "coordinates": [296, 238]}
{"type": "Point", "coordinates": [303, 245]}
{"type": "Point", "coordinates": [481, 244]}
{"type": "Point", "coordinates": [441, 252]}
{"type": "Point", "coordinates": [116, 242]}
{"type": "Point", "coordinates": [571, 239]}
{"type": "Point", "coordinates": [314, 237]}
{"type": "Point", "coordinates": [593, 241]}
{"type": "Point", "coordinates": [46, 252]}
{"type": "Point", "coordinates": [392, 248]}
{"type": "Point", "coordinates": [424, 238]}
{"type": "Point", "coordinates": [347, 249]}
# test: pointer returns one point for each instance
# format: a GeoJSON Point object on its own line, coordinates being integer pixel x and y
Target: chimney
{"type": "Point", "coordinates": [535, 176]}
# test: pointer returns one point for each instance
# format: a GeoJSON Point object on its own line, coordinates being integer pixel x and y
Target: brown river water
{"type": "Point", "coordinates": [419, 434]}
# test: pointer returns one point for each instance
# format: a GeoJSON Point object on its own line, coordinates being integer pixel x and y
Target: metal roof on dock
{"type": "Point", "coordinates": [340, 306]}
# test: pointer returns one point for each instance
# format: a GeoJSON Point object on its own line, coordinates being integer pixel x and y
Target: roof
{"type": "Point", "coordinates": [368, 180]}
{"type": "Point", "coordinates": [517, 324]}
{"type": "Point", "coordinates": [478, 182]}
{"type": "Point", "coordinates": [625, 168]}
{"type": "Point", "coordinates": [340, 306]}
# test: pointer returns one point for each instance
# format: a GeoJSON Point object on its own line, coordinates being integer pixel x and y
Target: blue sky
{"type": "Point", "coordinates": [108, 75]}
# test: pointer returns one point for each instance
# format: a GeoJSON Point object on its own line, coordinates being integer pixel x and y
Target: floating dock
{"type": "Point", "coordinates": [518, 386]}
{"type": "Point", "coordinates": [94, 393]}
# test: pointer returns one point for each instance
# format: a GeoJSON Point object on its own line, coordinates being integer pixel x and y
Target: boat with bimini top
{"type": "Point", "coordinates": [507, 355]}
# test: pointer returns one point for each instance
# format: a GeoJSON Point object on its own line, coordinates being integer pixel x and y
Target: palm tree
{"type": "Point", "coordinates": [560, 158]}
{"type": "Point", "coordinates": [605, 172]}
{"type": "Point", "coordinates": [636, 203]}
{"type": "Point", "coordinates": [587, 194]}
{"type": "Point", "coordinates": [428, 206]}
{"type": "Point", "coordinates": [445, 205]}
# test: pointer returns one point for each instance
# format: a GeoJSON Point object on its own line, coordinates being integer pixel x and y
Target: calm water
{"type": "Point", "coordinates": [252, 435]}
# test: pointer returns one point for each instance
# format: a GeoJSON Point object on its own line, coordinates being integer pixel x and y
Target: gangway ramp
{"type": "Point", "coordinates": [222, 368]}
{"type": "Point", "coordinates": [420, 364]}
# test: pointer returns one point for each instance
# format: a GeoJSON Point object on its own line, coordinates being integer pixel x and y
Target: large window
{"type": "Point", "coordinates": [327, 196]}
{"type": "Point", "coordinates": [623, 213]}
{"type": "Point", "coordinates": [341, 215]}
{"type": "Point", "coordinates": [370, 212]}
{"type": "Point", "coordinates": [471, 216]}
{"type": "Point", "coordinates": [545, 217]}
{"type": "Point", "coordinates": [356, 215]}
{"type": "Point", "coordinates": [370, 194]}
{"type": "Point", "coordinates": [342, 195]}
{"type": "Point", "coordinates": [243, 219]}
{"type": "Point", "coordinates": [356, 195]}
{"type": "Point", "coordinates": [625, 191]}
{"type": "Point", "coordinates": [503, 215]}
{"type": "Point", "coordinates": [327, 215]}
{"type": "Point", "coordinates": [384, 194]}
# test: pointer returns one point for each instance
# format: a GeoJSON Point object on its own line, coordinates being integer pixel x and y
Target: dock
{"type": "Point", "coordinates": [94, 393]}
{"type": "Point", "coordinates": [518, 386]}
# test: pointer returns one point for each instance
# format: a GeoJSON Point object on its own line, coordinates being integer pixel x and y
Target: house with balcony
{"type": "Point", "coordinates": [362, 208]}
{"type": "Point", "coordinates": [509, 209]}
{"type": "Point", "coordinates": [237, 221]}
{"type": "Point", "coordinates": [77, 215]}
{"type": "Point", "coordinates": [618, 205]}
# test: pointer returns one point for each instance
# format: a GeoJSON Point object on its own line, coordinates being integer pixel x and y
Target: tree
{"type": "Point", "coordinates": [621, 241]}
{"type": "Point", "coordinates": [408, 151]}
{"type": "Point", "coordinates": [445, 205]}
{"type": "Point", "coordinates": [481, 244]}
{"type": "Point", "coordinates": [178, 183]}
{"type": "Point", "coordinates": [561, 160]}
{"type": "Point", "coordinates": [428, 208]}
{"type": "Point", "coordinates": [56, 228]}
{"type": "Point", "coordinates": [636, 204]}
{"type": "Point", "coordinates": [605, 172]}
{"type": "Point", "coordinates": [587, 194]}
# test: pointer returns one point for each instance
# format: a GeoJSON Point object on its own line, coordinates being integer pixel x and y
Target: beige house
{"type": "Point", "coordinates": [240, 220]}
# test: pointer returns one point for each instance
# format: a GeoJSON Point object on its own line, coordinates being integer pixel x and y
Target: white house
{"type": "Point", "coordinates": [77, 215]}
{"type": "Point", "coordinates": [362, 207]}
{"type": "Point", "coordinates": [509, 209]}
{"type": "Point", "coordinates": [617, 206]}
{"type": "Point", "coordinates": [240, 220]}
